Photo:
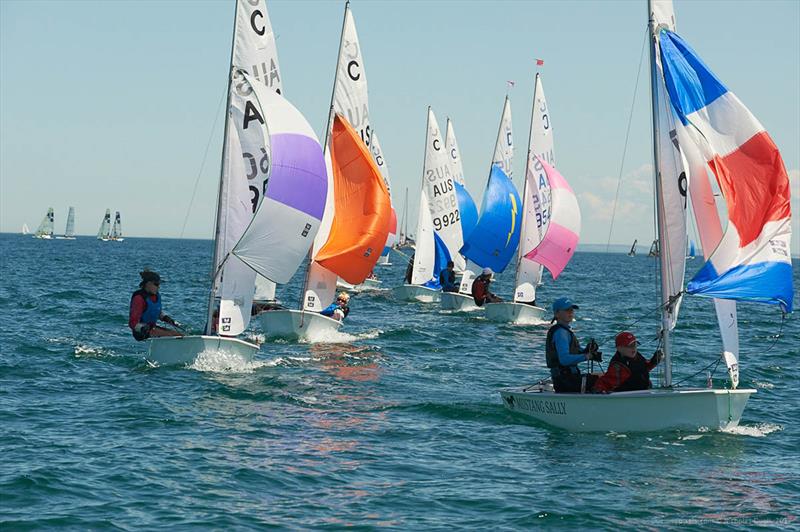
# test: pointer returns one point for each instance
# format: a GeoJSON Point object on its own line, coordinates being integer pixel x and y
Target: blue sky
{"type": "Point", "coordinates": [111, 104]}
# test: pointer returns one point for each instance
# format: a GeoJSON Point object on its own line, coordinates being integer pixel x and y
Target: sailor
{"type": "Point", "coordinates": [564, 353]}
{"type": "Point", "coordinates": [447, 278]}
{"type": "Point", "coordinates": [340, 308]}
{"type": "Point", "coordinates": [480, 289]}
{"type": "Point", "coordinates": [145, 310]}
{"type": "Point", "coordinates": [628, 370]}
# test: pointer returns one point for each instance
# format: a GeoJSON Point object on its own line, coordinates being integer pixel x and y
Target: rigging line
{"type": "Point", "coordinates": [627, 136]}
{"type": "Point", "coordinates": [714, 363]}
{"type": "Point", "coordinates": [202, 164]}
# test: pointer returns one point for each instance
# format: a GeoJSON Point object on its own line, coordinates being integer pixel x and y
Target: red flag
{"type": "Point", "coordinates": [539, 62]}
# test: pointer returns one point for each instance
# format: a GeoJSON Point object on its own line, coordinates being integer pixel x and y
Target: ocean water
{"type": "Point", "coordinates": [395, 424]}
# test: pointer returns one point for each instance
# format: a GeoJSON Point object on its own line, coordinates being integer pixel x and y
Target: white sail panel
{"type": "Point", "coordinates": [672, 182]}
{"type": "Point", "coordinates": [425, 252]}
{"type": "Point", "coordinates": [105, 226]}
{"type": "Point", "coordinates": [504, 146]}
{"type": "Point", "coordinates": [453, 155]}
{"type": "Point", "coordinates": [69, 231]}
{"type": "Point", "coordinates": [441, 194]}
{"type": "Point", "coordinates": [380, 161]}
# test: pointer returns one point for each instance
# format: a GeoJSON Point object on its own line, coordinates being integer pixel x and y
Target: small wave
{"type": "Point", "coordinates": [339, 337]}
{"type": "Point", "coordinates": [255, 338]}
{"type": "Point", "coordinates": [89, 351]}
{"type": "Point", "coordinates": [763, 385]}
{"type": "Point", "coordinates": [756, 431]}
{"type": "Point", "coordinates": [217, 361]}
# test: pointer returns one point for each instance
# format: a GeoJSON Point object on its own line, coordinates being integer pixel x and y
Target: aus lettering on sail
{"type": "Point", "coordinates": [255, 60]}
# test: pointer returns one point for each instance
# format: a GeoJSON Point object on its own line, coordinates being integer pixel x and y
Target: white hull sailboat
{"type": "Point", "coordinates": [367, 285]}
{"type": "Point", "coordinates": [417, 294]}
{"type": "Point", "coordinates": [45, 230]}
{"type": "Point", "coordinates": [294, 324]}
{"type": "Point", "coordinates": [268, 236]}
{"type": "Point", "coordinates": [688, 103]}
{"type": "Point", "coordinates": [640, 411]}
{"type": "Point", "coordinates": [69, 230]}
{"type": "Point", "coordinates": [517, 313]}
{"type": "Point", "coordinates": [458, 302]}
{"type": "Point", "coordinates": [104, 233]}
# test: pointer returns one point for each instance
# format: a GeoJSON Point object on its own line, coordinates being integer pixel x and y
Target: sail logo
{"type": "Point", "coordinates": [513, 217]}
{"type": "Point", "coordinates": [306, 229]}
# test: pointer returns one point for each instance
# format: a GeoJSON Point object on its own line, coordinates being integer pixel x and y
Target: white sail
{"type": "Point", "coordinates": [46, 227]}
{"type": "Point", "coordinates": [504, 146]}
{"type": "Point", "coordinates": [440, 191]}
{"type": "Point", "coordinates": [537, 195]}
{"type": "Point", "coordinates": [453, 155]}
{"type": "Point", "coordinates": [25, 229]}
{"type": "Point", "coordinates": [425, 252]}
{"type": "Point", "coordinates": [380, 161]}
{"type": "Point", "coordinates": [256, 54]}
{"type": "Point", "coordinates": [104, 233]}
{"type": "Point", "coordinates": [671, 179]}
{"type": "Point", "coordinates": [116, 229]}
{"type": "Point", "coordinates": [69, 230]}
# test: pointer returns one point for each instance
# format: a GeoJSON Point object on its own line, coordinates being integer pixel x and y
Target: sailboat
{"type": "Point", "coordinates": [25, 229]}
{"type": "Point", "coordinates": [355, 225]}
{"type": "Point", "coordinates": [45, 230]}
{"type": "Point", "coordinates": [541, 199]}
{"type": "Point", "coordinates": [104, 233]}
{"type": "Point", "coordinates": [698, 125]}
{"type": "Point", "coordinates": [653, 249]}
{"type": "Point", "coordinates": [458, 301]}
{"type": "Point", "coordinates": [116, 229]}
{"type": "Point", "coordinates": [438, 235]}
{"type": "Point", "coordinates": [632, 252]}
{"type": "Point", "coordinates": [69, 230]}
{"type": "Point", "coordinates": [273, 241]}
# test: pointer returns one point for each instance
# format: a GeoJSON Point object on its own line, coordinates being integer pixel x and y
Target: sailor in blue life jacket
{"type": "Point", "coordinates": [145, 310]}
{"type": "Point", "coordinates": [340, 308]}
{"type": "Point", "coordinates": [447, 278]}
{"type": "Point", "coordinates": [564, 353]}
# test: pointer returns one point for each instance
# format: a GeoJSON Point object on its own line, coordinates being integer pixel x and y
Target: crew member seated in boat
{"type": "Point", "coordinates": [628, 370]}
{"type": "Point", "coordinates": [480, 289]}
{"type": "Point", "coordinates": [340, 308]}
{"type": "Point", "coordinates": [564, 353]}
{"type": "Point", "coordinates": [447, 278]}
{"type": "Point", "coordinates": [145, 310]}
{"type": "Point", "coordinates": [409, 270]}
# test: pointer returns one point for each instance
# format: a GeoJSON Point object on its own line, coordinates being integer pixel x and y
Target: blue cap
{"type": "Point", "coordinates": [563, 303]}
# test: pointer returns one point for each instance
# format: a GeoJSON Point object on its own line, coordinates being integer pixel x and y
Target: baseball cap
{"type": "Point", "coordinates": [487, 271]}
{"type": "Point", "coordinates": [563, 303]}
{"type": "Point", "coordinates": [625, 339]}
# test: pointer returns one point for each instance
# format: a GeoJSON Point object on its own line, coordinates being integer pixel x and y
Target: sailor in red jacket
{"type": "Point", "coordinates": [628, 370]}
{"type": "Point", "coordinates": [146, 310]}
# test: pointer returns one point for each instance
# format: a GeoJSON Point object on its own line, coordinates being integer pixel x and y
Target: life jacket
{"type": "Point", "coordinates": [152, 311]}
{"type": "Point", "coordinates": [639, 378]}
{"type": "Point", "coordinates": [551, 353]}
{"type": "Point", "coordinates": [479, 290]}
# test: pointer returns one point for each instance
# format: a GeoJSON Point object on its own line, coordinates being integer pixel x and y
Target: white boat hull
{"type": "Point", "coordinates": [519, 313]}
{"type": "Point", "coordinates": [457, 302]}
{"type": "Point", "coordinates": [640, 411]}
{"type": "Point", "coordinates": [182, 350]}
{"type": "Point", "coordinates": [419, 294]}
{"type": "Point", "coordinates": [368, 284]}
{"type": "Point", "coordinates": [297, 325]}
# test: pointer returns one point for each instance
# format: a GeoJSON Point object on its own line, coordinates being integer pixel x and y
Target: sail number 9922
{"type": "Point", "coordinates": [446, 220]}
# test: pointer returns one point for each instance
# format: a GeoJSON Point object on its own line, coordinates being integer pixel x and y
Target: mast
{"type": "Point", "coordinates": [214, 270]}
{"type": "Point", "coordinates": [520, 251]}
{"type": "Point", "coordinates": [405, 219]}
{"type": "Point", "coordinates": [662, 257]}
{"type": "Point", "coordinates": [499, 130]}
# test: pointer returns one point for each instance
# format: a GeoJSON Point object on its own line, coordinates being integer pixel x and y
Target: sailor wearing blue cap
{"type": "Point", "coordinates": [563, 351]}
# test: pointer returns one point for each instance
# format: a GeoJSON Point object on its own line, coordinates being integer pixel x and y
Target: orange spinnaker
{"type": "Point", "coordinates": [362, 208]}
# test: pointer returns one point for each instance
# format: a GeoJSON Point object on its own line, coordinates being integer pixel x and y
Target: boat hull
{"type": "Point", "coordinates": [457, 302]}
{"type": "Point", "coordinates": [368, 284]}
{"type": "Point", "coordinates": [640, 411]}
{"type": "Point", "coordinates": [297, 325]}
{"type": "Point", "coordinates": [518, 313]}
{"type": "Point", "coordinates": [419, 294]}
{"type": "Point", "coordinates": [182, 350]}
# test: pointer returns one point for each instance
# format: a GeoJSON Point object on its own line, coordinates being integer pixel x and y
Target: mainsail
{"type": "Point", "coordinates": [104, 233]}
{"type": "Point", "coordinates": [504, 146]}
{"type": "Point", "coordinates": [425, 252]}
{"type": "Point", "coordinates": [116, 229]}
{"type": "Point", "coordinates": [466, 205]}
{"type": "Point", "coordinates": [355, 226]}
{"type": "Point", "coordinates": [563, 231]}
{"type": "Point", "coordinates": [536, 195]}
{"type": "Point", "coordinates": [46, 227]}
{"type": "Point", "coordinates": [69, 230]}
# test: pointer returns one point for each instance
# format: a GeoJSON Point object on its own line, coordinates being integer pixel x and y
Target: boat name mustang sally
{"type": "Point", "coordinates": [539, 405]}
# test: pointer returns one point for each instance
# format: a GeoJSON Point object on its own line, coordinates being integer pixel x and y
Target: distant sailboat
{"type": "Point", "coordinates": [104, 233]}
{"type": "Point", "coordinates": [45, 230]}
{"type": "Point", "coordinates": [69, 230]}
{"type": "Point", "coordinates": [632, 252]}
{"type": "Point", "coordinates": [116, 229]}
{"type": "Point", "coordinates": [698, 125]}
{"type": "Point", "coordinates": [355, 226]}
{"type": "Point", "coordinates": [653, 249]}
{"type": "Point", "coordinates": [273, 241]}
{"type": "Point", "coordinates": [25, 229]}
